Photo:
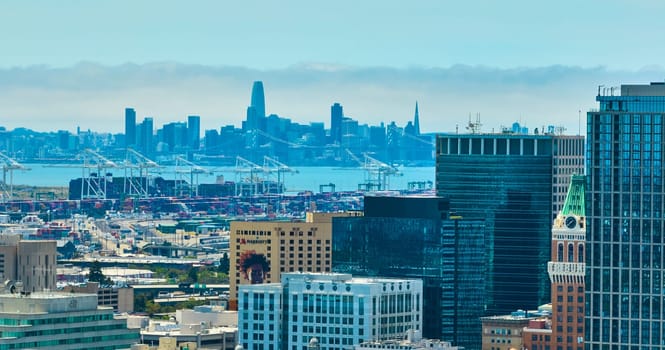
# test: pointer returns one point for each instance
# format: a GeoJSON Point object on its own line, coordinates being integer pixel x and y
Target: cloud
{"type": "Point", "coordinates": [93, 96]}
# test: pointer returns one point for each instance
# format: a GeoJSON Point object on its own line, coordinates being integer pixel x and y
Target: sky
{"type": "Point", "coordinates": [68, 64]}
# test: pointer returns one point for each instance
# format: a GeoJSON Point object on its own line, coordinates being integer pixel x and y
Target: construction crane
{"type": "Point", "coordinates": [137, 168]}
{"type": "Point", "coordinates": [247, 185]}
{"type": "Point", "coordinates": [193, 171]}
{"type": "Point", "coordinates": [94, 176]}
{"type": "Point", "coordinates": [271, 165]}
{"type": "Point", "coordinates": [8, 166]}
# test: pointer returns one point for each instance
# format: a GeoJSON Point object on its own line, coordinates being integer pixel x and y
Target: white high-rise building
{"type": "Point", "coordinates": [338, 310]}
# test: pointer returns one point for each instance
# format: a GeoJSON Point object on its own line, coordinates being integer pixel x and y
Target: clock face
{"type": "Point", "coordinates": [571, 222]}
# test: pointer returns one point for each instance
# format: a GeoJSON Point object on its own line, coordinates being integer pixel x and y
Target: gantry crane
{"type": "Point", "coordinates": [8, 166]}
{"type": "Point", "coordinates": [95, 175]}
{"type": "Point", "coordinates": [247, 185]}
{"type": "Point", "coordinates": [377, 173]}
{"type": "Point", "coordinates": [271, 165]}
{"type": "Point", "coordinates": [193, 171]}
{"type": "Point", "coordinates": [137, 168]}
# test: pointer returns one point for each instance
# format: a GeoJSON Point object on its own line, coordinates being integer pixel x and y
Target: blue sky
{"type": "Point", "coordinates": [550, 45]}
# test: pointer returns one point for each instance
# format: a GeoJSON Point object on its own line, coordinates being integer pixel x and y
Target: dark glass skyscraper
{"type": "Point", "coordinates": [415, 237]}
{"type": "Point", "coordinates": [194, 132]}
{"type": "Point", "coordinates": [258, 99]}
{"type": "Point", "coordinates": [256, 117]}
{"type": "Point", "coordinates": [130, 127]}
{"type": "Point", "coordinates": [514, 182]}
{"type": "Point", "coordinates": [256, 112]}
{"type": "Point", "coordinates": [336, 116]}
{"type": "Point", "coordinates": [625, 195]}
{"type": "Point", "coordinates": [146, 137]}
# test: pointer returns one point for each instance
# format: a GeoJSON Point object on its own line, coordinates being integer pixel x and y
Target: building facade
{"type": "Point", "coordinates": [194, 132]}
{"type": "Point", "coordinates": [567, 269]}
{"type": "Point", "coordinates": [417, 237]}
{"type": "Point", "coordinates": [538, 335]}
{"type": "Point", "coordinates": [130, 127]}
{"type": "Point", "coordinates": [61, 321]}
{"type": "Point", "coordinates": [515, 183]}
{"type": "Point", "coordinates": [336, 309]}
{"type": "Point", "coordinates": [261, 250]}
{"type": "Point", "coordinates": [624, 207]}
{"type": "Point", "coordinates": [504, 332]}
{"type": "Point", "coordinates": [33, 263]}
{"type": "Point", "coordinates": [120, 298]}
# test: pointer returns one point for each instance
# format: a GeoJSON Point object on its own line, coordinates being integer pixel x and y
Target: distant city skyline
{"type": "Point", "coordinates": [75, 64]}
{"type": "Point", "coordinates": [94, 97]}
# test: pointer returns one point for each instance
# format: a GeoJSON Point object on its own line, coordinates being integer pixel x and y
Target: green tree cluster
{"type": "Point", "coordinates": [95, 274]}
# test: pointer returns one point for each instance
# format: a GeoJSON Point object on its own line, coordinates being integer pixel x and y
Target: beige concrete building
{"type": "Point", "coordinates": [31, 262]}
{"type": "Point", "coordinates": [262, 250]}
{"type": "Point", "coordinates": [503, 332]}
{"type": "Point", "coordinates": [121, 299]}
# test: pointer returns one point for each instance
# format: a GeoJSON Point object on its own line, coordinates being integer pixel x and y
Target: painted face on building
{"type": "Point", "coordinates": [255, 274]}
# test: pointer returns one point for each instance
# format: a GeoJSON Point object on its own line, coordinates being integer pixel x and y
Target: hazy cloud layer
{"type": "Point", "coordinates": [93, 96]}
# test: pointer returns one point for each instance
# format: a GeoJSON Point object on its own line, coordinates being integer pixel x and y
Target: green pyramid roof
{"type": "Point", "coordinates": [574, 204]}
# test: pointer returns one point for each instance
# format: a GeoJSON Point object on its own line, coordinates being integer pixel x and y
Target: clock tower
{"type": "Point", "coordinates": [567, 270]}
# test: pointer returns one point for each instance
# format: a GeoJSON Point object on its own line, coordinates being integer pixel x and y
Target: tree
{"type": "Point", "coordinates": [192, 275]}
{"type": "Point", "coordinates": [96, 275]}
{"type": "Point", "coordinates": [224, 263]}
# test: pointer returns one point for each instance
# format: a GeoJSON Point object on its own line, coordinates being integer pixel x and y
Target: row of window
{"type": "Point", "coordinates": [56, 343]}
{"type": "Point", "coordinates": [68, 330]}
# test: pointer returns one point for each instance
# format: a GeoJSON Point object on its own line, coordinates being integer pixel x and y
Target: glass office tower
{"type": "Point", "coordinates": [416, 237]}
{"type": "Point", "coordinates": [625, 219]}
{"type": "Point", "coordinates": [516, 183]}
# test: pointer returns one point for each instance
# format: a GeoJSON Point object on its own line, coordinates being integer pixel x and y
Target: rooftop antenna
{"type": "Point", "coordinates": [579, 122]}
{"type": "Point", "coordinates": [474, 126]}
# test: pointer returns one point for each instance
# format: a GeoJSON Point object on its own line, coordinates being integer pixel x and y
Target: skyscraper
{"type": "Point", "coordinates": [194, 132]}
{"type": "Point", "coordinates": [336, 116]}
{"type": "Point", "coordinates": [625, 219]}
{"type": "Point", "coordinates": [130, 127]}
{"type": "Point", "coordinates": [508, 180]}
{"type": "Point", "coordinates": [566, 270]}
{"type": "Point", "coordinates": [256, 111]}
{"type": "Point", "coordinates": [258, 100]}
{"type": "Point", "coordinates": [146, 137]}
{"type": "Point", "coordinates": [416, 121]}
{"type": "Point", "coordinates": [416, 237]}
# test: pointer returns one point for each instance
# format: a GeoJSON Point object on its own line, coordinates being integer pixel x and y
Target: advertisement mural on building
{"type": "Point", "coordinates": [253, 267]}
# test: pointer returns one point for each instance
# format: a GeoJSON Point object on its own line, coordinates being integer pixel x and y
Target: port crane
{"type": "Point", "coordinates": [271, 165]}
{"type": "Point", "coordinates": [137, 168]}
{"type": "Point", "coordinates": [184, 167]}
{"type": "Point", "coordinates": [95, 175]}
{"type": "Point", "coordinates": [377, 173]}
{"type": "Point", "coordinates": [247, 185]}
{"type": "Point", "coordinates": [8, 167]}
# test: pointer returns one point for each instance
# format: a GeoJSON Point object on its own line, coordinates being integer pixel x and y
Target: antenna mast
{"type": "Point", "coordinates": [474, 127]}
